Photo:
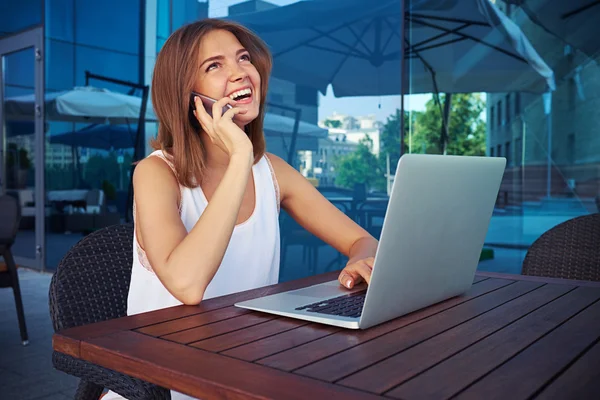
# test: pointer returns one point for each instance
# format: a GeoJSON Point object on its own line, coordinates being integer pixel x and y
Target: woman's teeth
{"type": "Point", "coordinates": [240, 93]}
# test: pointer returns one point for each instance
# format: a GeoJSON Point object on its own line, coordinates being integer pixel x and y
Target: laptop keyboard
{"type": "Point", "coordinates": [348, 305]}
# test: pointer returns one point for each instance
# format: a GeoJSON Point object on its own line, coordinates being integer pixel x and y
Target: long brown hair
{"type": "Point", "coordinates": [174, 75]}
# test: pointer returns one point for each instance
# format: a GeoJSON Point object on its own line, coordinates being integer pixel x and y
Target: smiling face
{"type": "Point", "coordinates": [226, 70]}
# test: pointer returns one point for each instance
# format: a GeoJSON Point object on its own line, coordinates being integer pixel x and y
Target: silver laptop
{"type": "Point", "coordinates": [433, 233]}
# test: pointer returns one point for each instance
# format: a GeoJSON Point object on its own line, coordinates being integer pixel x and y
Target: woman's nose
{"type": "Point", "coordinates": [237, 73]}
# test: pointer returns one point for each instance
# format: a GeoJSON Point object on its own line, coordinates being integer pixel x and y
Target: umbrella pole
{"type": "Point", "coordinates": [138, 151]}
{"type": "Point", "coordinates": [445, 122]}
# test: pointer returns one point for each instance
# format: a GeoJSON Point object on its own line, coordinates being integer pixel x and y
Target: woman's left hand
{"type": "Point", "coordinates": [356, 272]}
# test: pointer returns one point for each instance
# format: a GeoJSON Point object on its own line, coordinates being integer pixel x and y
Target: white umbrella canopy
{"type": "Point", "coordinates": [577, 22]}
{"type": "Point", "coordinates": [81, 104]}
{"type": "Point", "coordinates": [454, 46]}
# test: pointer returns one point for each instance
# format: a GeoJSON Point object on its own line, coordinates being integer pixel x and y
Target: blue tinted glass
{"type": "Point", "coordinates": [186, 11]}
{"type": "Point", "coordinates": [99, 24]}
{"type": "Point", "coordinates": [59, 19]}
{"type": "Point", "coordinates": [163, 13]}
{"type": "Point", "coordinates": [59, 65]}
{"type": "Point", "coordinates": [16, 16]}
{"type": "Point", "coordinates": [106, 63]}
{"type": "Point", "coordinates": [159, 43]}
{"type": "Point", "coordinates": [19, 69]}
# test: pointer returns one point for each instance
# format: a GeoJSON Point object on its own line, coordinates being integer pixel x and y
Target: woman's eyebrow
{"type": "Point", "coordinates": [220, 57]}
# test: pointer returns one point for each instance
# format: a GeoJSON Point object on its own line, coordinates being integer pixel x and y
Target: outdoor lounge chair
{"type": "Point", "coordinates": [570, 250]}
{"type": "Point", "coordinates": [91, 285]}
{"type": "Point", "coordinates": [10, 216]}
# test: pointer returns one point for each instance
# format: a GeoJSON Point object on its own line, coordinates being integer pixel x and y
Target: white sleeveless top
{"type": "Point", "coordinates": [252, 256]}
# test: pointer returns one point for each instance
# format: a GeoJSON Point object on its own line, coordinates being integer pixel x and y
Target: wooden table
{"type": "Point", "coordinates": [510, 337]}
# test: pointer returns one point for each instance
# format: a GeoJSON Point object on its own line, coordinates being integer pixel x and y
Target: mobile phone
{"type": "Point", "coordinates": [207, 101]}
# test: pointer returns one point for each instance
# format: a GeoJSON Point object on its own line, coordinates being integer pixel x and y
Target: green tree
{"type": "Point", "coordinates": [333, 123]}
{"type": "Point", "coordinates": [359, 167]}
{"type": "Point", "coordinates": [389, 143]}
{"type": "Point", "coordinates": [466, 128]}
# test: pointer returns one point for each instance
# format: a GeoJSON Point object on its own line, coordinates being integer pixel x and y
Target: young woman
{"type": "Point", "coordinates": [207, 200]}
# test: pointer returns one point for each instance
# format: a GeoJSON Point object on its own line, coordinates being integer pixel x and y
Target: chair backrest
{"type": "Point", "coordinates": [91, 282]}
{"type": "Point", "coordinates": [10, 216]}
{"type": "Point", "coordinates": [570, 250]}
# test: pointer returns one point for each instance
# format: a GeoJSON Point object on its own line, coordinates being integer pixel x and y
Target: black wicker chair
{"type": "Point", "coordinates": [91, 285]}
{"type": "Point", "coordinates": [10, 216]}
{"type": "Point", "coordinates": [570, 250]}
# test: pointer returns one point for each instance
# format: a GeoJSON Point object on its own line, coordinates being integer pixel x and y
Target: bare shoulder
{"type": "Point", "coordinates": [289, 179]}
{"type": "Point", "coordinates": [153, 175]}
{"type": "Point", "coordinates": [151, 168]}
{"type": "Point", "coordinates": [279, 164]}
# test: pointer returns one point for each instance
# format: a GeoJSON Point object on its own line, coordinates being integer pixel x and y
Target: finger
{"type": "Point", "coordinates": [354, 274]}
{"type": "Point", "coordinates": [217, 108]}
{"type": "Point", "coordinates": [201, 114]}
{"type": "Point", "coordinates": [362, 270]}
{"type": "Point", "coordinates": [346, 279]}
{"type": "Point", "coordinates": [359, 272]}
{"type": "Point", "coordinates": [229, 114]}
{"type": "Point", "coordinates": [370, 261]}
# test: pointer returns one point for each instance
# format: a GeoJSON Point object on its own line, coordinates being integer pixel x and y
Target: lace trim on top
{"type": "Point", "coordinates": [275, 183]}
{"type": "Point", "coordinates": [140, 252]}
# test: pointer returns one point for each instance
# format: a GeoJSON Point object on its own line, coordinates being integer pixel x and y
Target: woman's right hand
{"type": "Point", "coordinates": [221, 129]}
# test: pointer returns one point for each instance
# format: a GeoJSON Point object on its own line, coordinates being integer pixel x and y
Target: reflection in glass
{"type": "Point", "coordinates": [18, 157]}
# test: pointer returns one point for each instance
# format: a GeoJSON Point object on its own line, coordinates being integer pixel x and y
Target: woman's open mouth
{"type": "Point", "coordinates": [243, 96]}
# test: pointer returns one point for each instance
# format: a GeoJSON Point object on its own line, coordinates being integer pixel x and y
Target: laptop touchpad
{"type": "Point", "coordinates": [322, 291]}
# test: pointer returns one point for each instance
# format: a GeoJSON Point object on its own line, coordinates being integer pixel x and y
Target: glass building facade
{"type": "Point", "coordinates": [410, 79]}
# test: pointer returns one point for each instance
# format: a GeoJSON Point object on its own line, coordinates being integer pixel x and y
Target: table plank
{"type": "Point", "coordinates": [68, 339]}
{"type": "Point", "coordinates": [350, 361]}
{"type": "Point", "coordinates": [450, 376]}
{"type": "Point", "coordinates": [203, 374]}
{"type": "Point", "coordinates": [286, 340]}
{"type": "Point", "coordinates": [313, 351]}
{"type": "Point", "coordinates": [527, 372]}
{"type": "Point", "coordinates": [389, 373]}
{"type": "Point", "coordinates": [192, 321]}
{"type": "Point", "coordinates": [248, 335]}
{"type": "Point", "coordinates": [580, 381]}
{"type": "Point", "coordinates": [218, 328]}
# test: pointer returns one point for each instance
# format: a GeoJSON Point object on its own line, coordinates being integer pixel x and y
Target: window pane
{"type": "Point", "coordinates": [186, 11]}
{"type": "Point", "coordinates": [549, 142]}
{"type": "Point", "coordinates": [59, 19]}
{"type": "Point", "coordinates": [16, 16]}
{"type": "Point", "coordinates": [59, 65]}
{"type": "Point", "coordinates": [99, 25]}
{"type": "Point", "coordinates": [163, 14]}
{"type": "Point", "coordinates": [106, 63]}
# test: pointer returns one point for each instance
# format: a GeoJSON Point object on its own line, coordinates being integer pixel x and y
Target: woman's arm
{"type": "Point", "coordinates": [186, 262]}
{"type": "Point", "coordinates": [317, 215]}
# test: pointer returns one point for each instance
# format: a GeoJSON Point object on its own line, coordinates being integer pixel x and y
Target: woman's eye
{"type": "Point", "coordinates": [245, 57]}
{"type": "Point", "coordinates": [212, 66]}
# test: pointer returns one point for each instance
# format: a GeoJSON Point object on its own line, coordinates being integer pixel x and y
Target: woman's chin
{"type": "Point", "coordinates": [245, 119]}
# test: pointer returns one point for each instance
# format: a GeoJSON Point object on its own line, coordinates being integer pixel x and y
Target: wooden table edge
{"type": "Point", "coordinates": [542, 279]}
{"type": "Point", "coordinates": [96, 352]}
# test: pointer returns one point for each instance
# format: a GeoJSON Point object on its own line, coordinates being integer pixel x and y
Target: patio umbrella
{"type": "Point", "coordinates": [102, 137]}
{"type": "Point", "coordinates": [574, 21]}
{"type": "Point", "coordinates": [81, 104]}
{"type": "Point", "coordinates": [356, 46]}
